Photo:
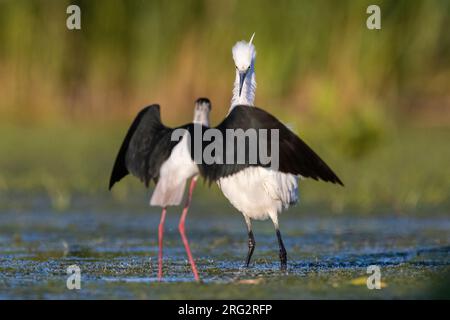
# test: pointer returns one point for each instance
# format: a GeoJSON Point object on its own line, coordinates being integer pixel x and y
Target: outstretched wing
{"type": "Point", "coordinates": [295, 156]}
{"type": "Point", "coordinates": [146, 146]}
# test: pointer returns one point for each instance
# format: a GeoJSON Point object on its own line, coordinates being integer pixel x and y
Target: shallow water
{"type": "Point", "coordinates": [117, 254]}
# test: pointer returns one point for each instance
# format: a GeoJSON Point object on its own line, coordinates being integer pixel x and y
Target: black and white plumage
{"type": "Point", "coordinates": [295, 156]}
{"type": "Point", "coordinates": [148, 146]}
{"type": "Point", "coordinates": [258, 192]}
{"type": "Point", "coordinates": [149, 153]}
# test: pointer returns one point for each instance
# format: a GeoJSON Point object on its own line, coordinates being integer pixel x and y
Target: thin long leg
{"type": "Point", "coordinates": [283, 255]}
{"type": "Point", "coordinates": [160, 241]}
{"type": "Point", "coordinates": [182, 230]}
{"type": "Point", "coordinates": [251, 241]}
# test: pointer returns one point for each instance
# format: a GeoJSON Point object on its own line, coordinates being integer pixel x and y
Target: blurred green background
{"type": "Point", "coordinates": [375, 104]}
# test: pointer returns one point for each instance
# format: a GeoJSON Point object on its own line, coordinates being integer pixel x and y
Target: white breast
{"type": "Point", "coordinates": [174, 173]}
{"type": "Point", "coordinates": [259, 192]}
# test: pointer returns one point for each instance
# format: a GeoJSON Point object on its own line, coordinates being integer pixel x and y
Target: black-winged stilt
{"type": "Point", "coordinates": [149, 153]}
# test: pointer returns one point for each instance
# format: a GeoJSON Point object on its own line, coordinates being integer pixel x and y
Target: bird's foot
{"type": "Point", "coordinates": [283, 260]}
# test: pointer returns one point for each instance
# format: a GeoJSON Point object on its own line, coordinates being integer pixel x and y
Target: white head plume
{"type": "Point", "coordinates": [243, 54]}
{"type": "Point", "coordinates": [251, 39]}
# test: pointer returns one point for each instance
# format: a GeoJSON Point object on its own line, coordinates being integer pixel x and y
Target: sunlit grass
{"type": "Point", "coordinates": [311, 56]}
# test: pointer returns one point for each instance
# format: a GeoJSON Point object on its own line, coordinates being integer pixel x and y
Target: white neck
{"type": "Point", "coordinates": [247, 96]}
{"type": "Point", "coordinates": [201, 117]}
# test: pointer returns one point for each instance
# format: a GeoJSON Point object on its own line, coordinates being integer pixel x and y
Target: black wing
{"type": "Point", "coordinates": [145, 147]}
{"type": "Point", "coordinates": [295, 156]}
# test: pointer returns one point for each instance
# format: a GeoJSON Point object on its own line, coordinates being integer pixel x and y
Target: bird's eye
{"type": "Point", "coordinates": [236, 67]}
{"type": "Point", "coordinates": [248, 68]}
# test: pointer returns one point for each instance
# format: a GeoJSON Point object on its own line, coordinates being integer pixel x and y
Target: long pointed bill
{"type": "Point", "coordinates": [242, 75]}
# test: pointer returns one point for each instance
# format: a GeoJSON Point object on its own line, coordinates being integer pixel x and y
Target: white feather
{"type": "Point", "coordinates": [259, 192]}
{"type": "Point", "coordinates": [244, 55]}
{"type": "Point", "coordinates": [173, 174]}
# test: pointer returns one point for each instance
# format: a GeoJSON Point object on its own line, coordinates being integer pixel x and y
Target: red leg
{"type": "Point", "coordinates": [182, 231]}
{"type": "Point", "coordinates": [160, 240]}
